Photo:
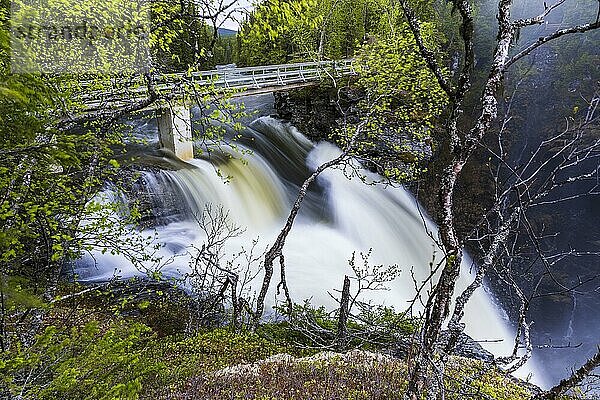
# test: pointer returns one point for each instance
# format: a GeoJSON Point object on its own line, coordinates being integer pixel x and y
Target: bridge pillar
{"type": "Point", "coordinates": [175, 131]}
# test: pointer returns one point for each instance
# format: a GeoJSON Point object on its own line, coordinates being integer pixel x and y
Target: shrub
{"type": "Point", "coordinates": [82, 363]}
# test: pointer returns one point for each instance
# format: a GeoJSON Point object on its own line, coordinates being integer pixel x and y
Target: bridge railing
{"type": "Point", "coordinates": [262, 75]}
{"type": "Point", "coordinates": [227, 78]}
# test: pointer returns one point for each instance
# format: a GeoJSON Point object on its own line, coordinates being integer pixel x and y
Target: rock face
{"type": "Point", "coordinates": [317, 113]}
{"type": "Point", "coordinates": [312, 110]}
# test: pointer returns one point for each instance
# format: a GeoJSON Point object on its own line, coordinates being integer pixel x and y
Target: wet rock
{"type": "Point", "coordinates": [466, 347]}
{"type": "Point", "coordinates": [317, 113]}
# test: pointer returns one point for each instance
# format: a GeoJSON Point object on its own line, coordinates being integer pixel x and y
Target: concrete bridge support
{"type": "Point", "coordinates": [175, 131]}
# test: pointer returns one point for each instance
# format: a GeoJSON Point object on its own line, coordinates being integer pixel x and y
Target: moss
{"type": "Point", "coordinates": [203, 366]}
{"type": "Point", "coordinates": [332, 377]}
{"type": "Point", "coordinates": [481, 379]}
{"type": "Point", "coordinates": [203, 354]}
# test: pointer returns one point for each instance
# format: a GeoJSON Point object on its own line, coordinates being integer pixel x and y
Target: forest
{"type": "Point", "coordinates": [300, 199]}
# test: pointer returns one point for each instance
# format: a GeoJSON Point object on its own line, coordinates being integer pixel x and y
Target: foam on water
{"type": "Point", "coordinates": [341, 216]}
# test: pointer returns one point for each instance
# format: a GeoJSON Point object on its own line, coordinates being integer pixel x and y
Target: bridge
{"type": "Point", "coordinates": [174, 122]}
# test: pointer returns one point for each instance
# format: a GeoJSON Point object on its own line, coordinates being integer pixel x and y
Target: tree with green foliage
{"type": "Point", "coordinates": [410, 100]}
{"type": "Point", "coordinates": [55, 168]}
{"type": "Point", "coordinates": [186, 35]}
{"type": "Point", "coordinates": [285, 30]}
{"type": "Point", "coordinates": [61, 157]}
{"type": "Point", "coordinates": [279, 31]}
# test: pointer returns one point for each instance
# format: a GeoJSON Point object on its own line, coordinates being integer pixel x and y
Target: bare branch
{"type": "Point", "coordinates": [546, 39]}
{"type": "Point", "coordinates": [576, 378]}
{"type": "Point", "coordinates": [540, 19]}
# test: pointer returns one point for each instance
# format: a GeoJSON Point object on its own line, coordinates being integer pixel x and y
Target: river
{"type": "Point", "coordinates": [339, 216]}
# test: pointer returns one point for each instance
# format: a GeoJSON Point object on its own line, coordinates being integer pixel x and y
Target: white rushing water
{"type": "Point", "coordinates": [340, 216]}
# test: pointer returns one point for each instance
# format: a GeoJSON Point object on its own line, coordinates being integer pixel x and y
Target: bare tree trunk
{"type": "Point", "coordinates": [2, 313]}
{"type": "Point", "coordinates": [321, 49]}
{"type": "Point", "coordinates": [283, 284]}
{"type": "Point", "coordinates": [235, 305]}
{"type": "Point", "coordinates": [342, 328]}
{"type": "Point", "coordinates": [321, 44]}
{"type": "Point", "coordinates": [461, 147]}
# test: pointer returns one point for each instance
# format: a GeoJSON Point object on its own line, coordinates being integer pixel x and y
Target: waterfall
{"type": "Point", "coordinates": [339, 217]}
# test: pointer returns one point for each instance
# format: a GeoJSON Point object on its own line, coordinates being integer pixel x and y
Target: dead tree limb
{"type": "Point", "coordinates": [461, 145]}
{"type": "Point", "coordinates": [275, 251]}
{"type": "Point", "coordinates": [342, 328]}
{"type": "Point", "coordinates": [576, 378]}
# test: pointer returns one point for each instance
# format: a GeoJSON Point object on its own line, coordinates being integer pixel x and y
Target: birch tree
{"type": "Point", "coordinates": [461, 143]}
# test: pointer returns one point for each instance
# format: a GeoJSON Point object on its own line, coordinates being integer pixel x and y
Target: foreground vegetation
{"type": "Point", "coordinates": [124, 352]}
